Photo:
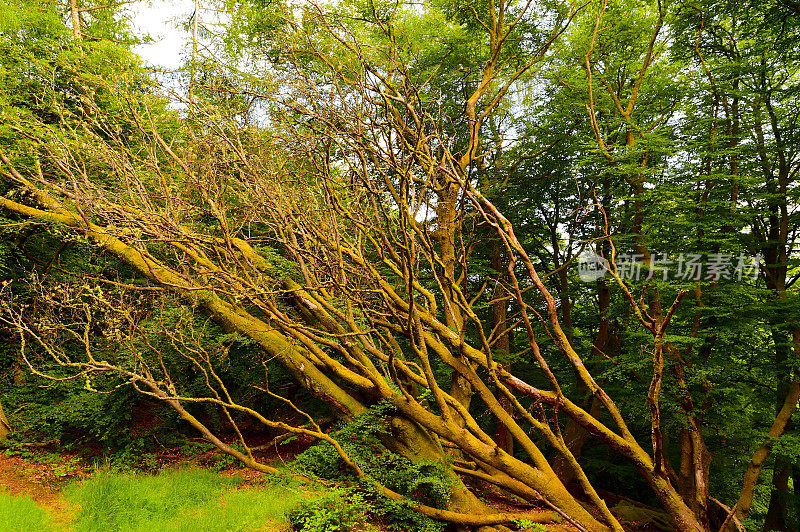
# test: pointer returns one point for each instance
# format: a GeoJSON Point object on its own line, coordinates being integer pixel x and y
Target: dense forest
{"type": "Point", "coordinates": [482, 256]}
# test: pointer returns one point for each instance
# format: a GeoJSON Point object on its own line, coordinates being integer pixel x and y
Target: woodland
{"type": "Point", "coordinates": [500, 264]}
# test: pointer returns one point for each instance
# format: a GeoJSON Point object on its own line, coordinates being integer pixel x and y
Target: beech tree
{"type": "Point", "coordinates": [330, 205]}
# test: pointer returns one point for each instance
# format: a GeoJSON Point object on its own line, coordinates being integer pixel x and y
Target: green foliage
{"type": "Point", "coordinates": [339, 510]}
{"type": "Point", "coordinates": [322, 461]}
{"type": "Point", "coordinates": [23, 514]}
{"type": "Point", "coordinates": [426, 481]}
{"type": "Point", "coordinates": [359, 439]}
{"type": "Point", "coordinates": [527, 525]}
{"type": "Point", "coordinates": [71, 414]}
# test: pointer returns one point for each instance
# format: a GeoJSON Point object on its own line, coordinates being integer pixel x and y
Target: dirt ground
{"type": "Point", "coordinates": [38, 481]}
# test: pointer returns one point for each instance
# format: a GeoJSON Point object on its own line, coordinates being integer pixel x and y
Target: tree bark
{"type": "Point", "coordinates": [574, 434]}
{"type": "Point", "coordinates": [779, 499]}
{"type": "Point", "coordinates": [777, 512]}
{"type": "Point", "coordinates": [75, 15]}
{"type": "Point", "coordinates": [5, 426]}
{"type": "Point", "coordinates": [502, 344]}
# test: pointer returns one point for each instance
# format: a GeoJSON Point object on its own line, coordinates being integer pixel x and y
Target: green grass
{"type": "Point", "coordinates": [182, 500]}
{"type": "Point", "coordinates": [22, 514]}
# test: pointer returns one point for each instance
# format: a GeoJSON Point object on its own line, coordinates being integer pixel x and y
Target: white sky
{"type": "Point", "coordinates": [161, 20]}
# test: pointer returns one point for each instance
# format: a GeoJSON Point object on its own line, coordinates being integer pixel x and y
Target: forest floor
{"type": "Point", "coordinates": [47, 491]}
{"type": "Point", "coordinates": [80, 497]}
{"type": "Point", "coordinates": [41, 482]}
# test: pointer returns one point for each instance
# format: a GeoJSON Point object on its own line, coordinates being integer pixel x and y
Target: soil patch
{"type": "Point", "coordinates": [39, 482]}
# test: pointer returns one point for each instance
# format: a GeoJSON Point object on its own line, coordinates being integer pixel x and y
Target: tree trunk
{"type": "Point", "coordinates": [760, 455]}
{"type": "Point", "coordinates": [777, 513]}
{"type": "Point", "coordinates": [447, 221]}
{"type": "Point", "coordinates": [75, 14]}
{"type": "Point", "coordinates": [5, 426]}
{"type": "Point", "coordinates": [694, 471]}
{"type": "Point", "coordinates": [779, 499]}
{"type": "Point", "coordinates": [502, 345]}
{"type": "Point", "coordinates": [574, 434]}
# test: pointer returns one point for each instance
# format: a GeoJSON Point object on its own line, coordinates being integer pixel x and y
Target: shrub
{"type": "Point", "coordinates": [339, 510]}
{"type": "Point", "coordinates": [426, 481]}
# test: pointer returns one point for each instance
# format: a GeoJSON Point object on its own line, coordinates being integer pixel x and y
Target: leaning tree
{"type": "Point", "coordinates": [359, 160]}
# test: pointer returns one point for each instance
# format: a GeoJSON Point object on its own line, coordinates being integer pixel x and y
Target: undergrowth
{"type": "Point", "coordinates": [349, 508]}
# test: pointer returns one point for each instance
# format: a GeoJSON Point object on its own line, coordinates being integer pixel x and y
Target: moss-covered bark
{"type": "Point", "coordinates": [5, 426]}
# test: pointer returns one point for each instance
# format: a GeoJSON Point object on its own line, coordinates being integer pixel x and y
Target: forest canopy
{"type": "Point", "coordinates": [505, 262]}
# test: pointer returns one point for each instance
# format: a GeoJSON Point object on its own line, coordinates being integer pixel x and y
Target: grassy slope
{"type": "Point", "coordinates": [179, 500]}
{"type": "Point", "coordinates": [21, 513]}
